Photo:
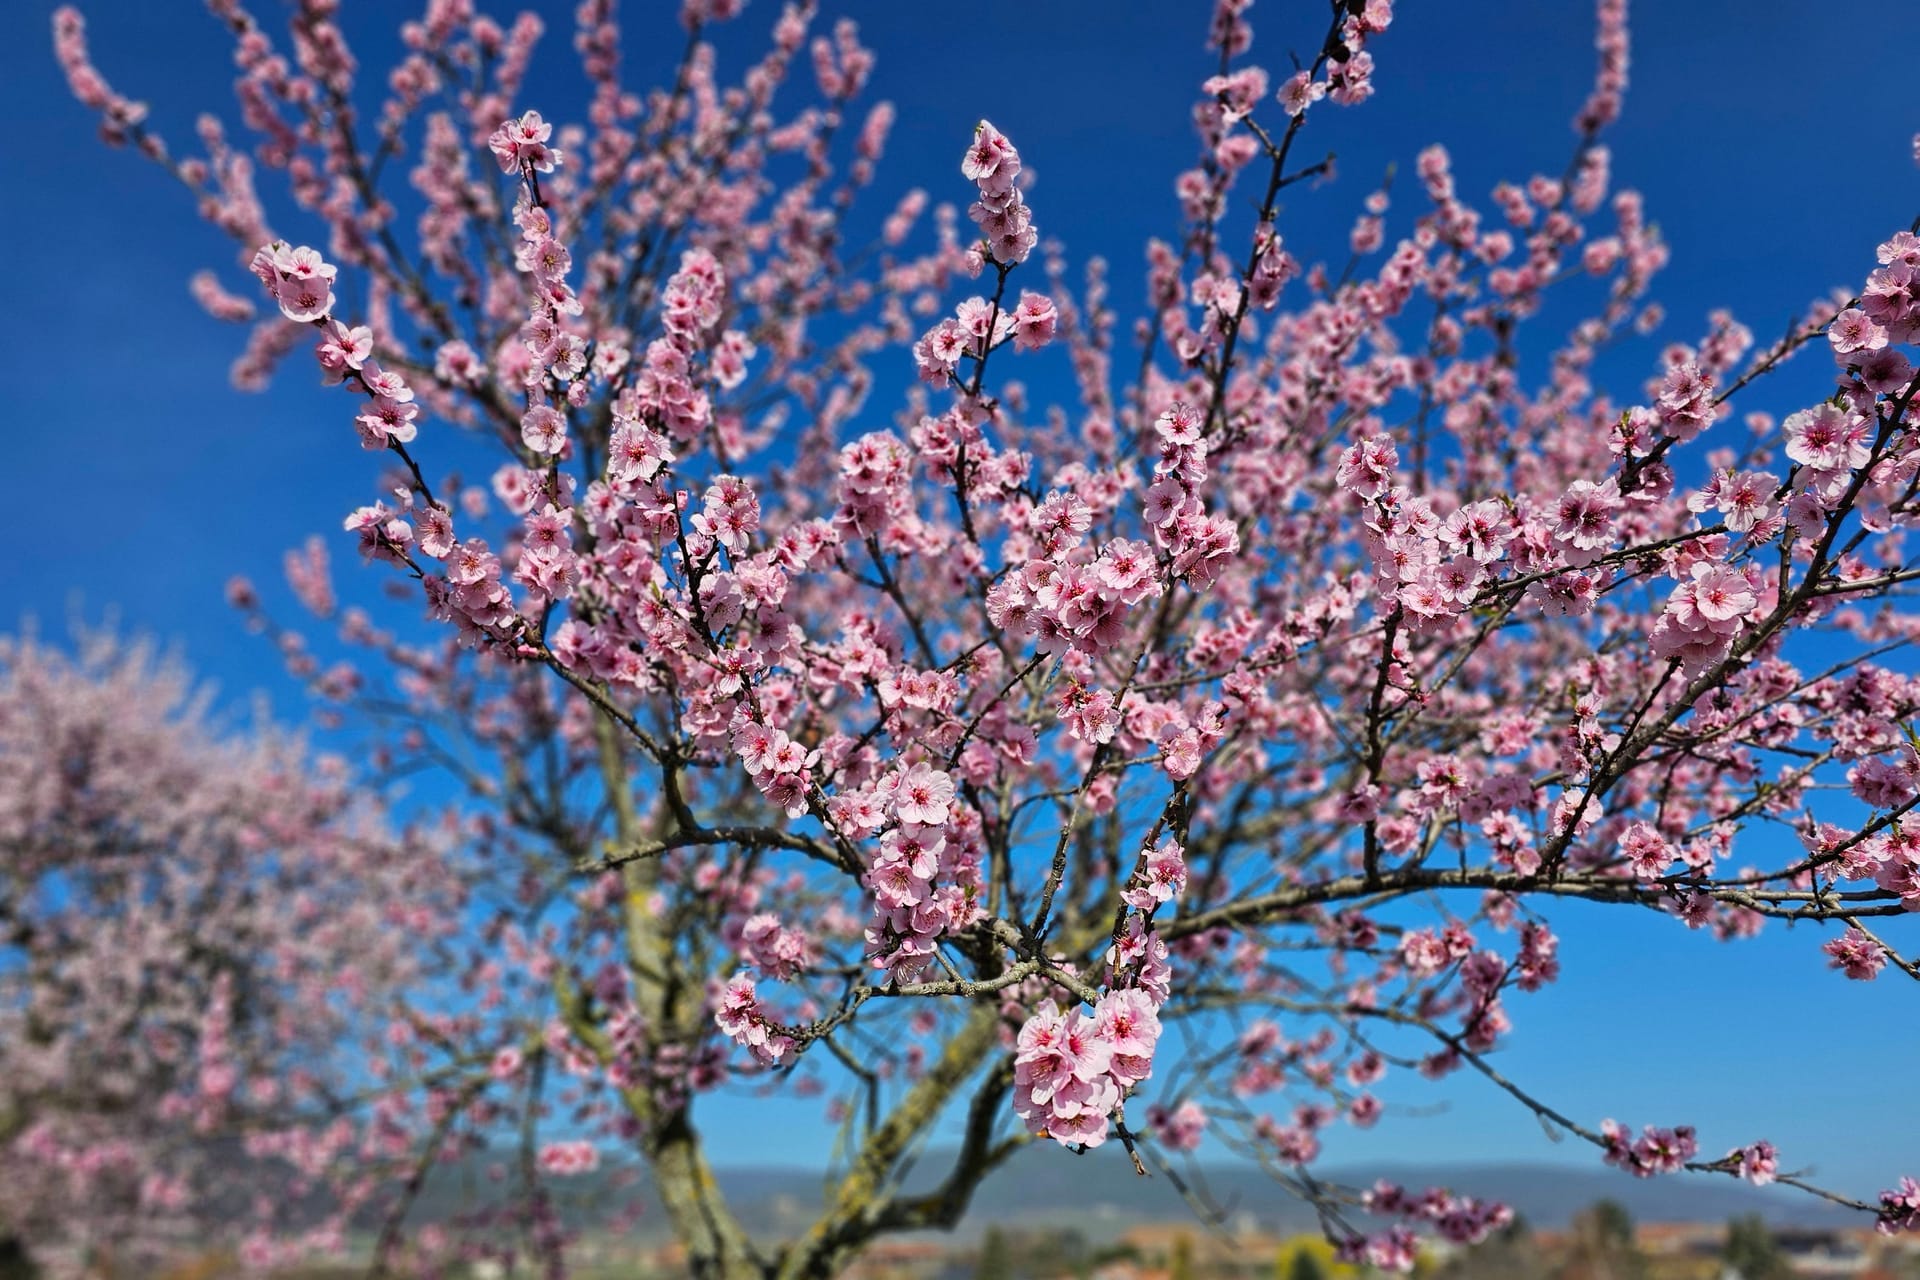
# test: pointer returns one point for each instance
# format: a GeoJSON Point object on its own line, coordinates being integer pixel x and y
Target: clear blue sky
{"type": "Point", "coordinates": [1770, 138]}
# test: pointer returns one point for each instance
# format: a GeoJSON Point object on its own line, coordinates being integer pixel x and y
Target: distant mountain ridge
{"type": "Point", "coordinates": [1102, 1196]}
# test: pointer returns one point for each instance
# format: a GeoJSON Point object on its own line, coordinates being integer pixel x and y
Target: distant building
{"type": "Point", "coordinates": [1822, 1253]}
{"type": "Point", "coordinates": [1680, 1239]}
{"type": "Point", "coordinates": [898, 1260]}
{"type": "Point", "coordinates": [1207, 1253]}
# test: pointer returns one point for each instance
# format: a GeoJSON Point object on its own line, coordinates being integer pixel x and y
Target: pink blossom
{"type": "Point", "coordinates": [1686, 404]}
{"type": "Point", "coordinates": [1899, 1208]}
{"type": "Point", "coordinates": [1366, 468]}
{"type": "Point", "coordinates": [1758, 1163]}
{"type": "Point", "coordinates": [569, 1158]}
{"type": "Point", "coordinates": [1300, 91]}
{"type": "Point", "coordinates": [1854, 331]}
{"type": "Point", "coordinates": [543, 429]}
{"type": "Point", "coordinates": [522, 144]}
{"type": "Point", "coordinates": [1181, 1128]}
{"type": "Point", "coordinates": [923, 795]}
{"type": "Point", "coordinates": [1826, 437]}
{"type": "Point", "coordinates": [298, 279]}
{"type": "Point", "coordinates": [1856, 955]}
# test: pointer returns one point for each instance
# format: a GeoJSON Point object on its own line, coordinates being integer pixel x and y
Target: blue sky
{"type": "Point", "coordinates": [1771, 141]}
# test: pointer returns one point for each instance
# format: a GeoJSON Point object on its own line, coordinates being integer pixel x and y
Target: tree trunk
{"type": "Point", "coordinates": [717, 1248]}
{"type": "Point", "coordinates": [671, 1002]}
{"type": "Point", "coordinates": [856, 1215]}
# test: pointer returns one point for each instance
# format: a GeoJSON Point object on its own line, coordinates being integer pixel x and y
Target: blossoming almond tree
{"type": "Point", "coordinates": [946, 753]}
{"type": "Point", "coordinates": [209, 945]}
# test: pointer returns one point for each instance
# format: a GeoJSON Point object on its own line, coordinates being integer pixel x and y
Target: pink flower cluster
{"type": "Point", "coordinates": [977, 327]}
{"type": "Point", "coordinates": [1162, 876]}
{"type": "Point", "coordinates": [1888, 315]}
{"type": "Point", "coordinates": [300, 280]}
{"type": "Point", "coordinates": [472, 594]}
{"type": "Point", "coordinates": [1602, 106]}
{"type": "Point", "coordinates": [549, 352]}
{"type": "Point", "coordinates": [1654, 1151]}
{"type": "Point", "coordinates": [1462, 1220]}
{"type": "Point", "coordinates": [1139, 959]}
{"type": "Point", "coordinates": [1088, 714]}
{"type": "Point", "coordinates": [521, 145]}
{"type": "Point", "coordinates": [1758, 1163]}
{"type": "Point", "coordinates": [1350, 71]}
{"type": "Point", "coordinates": [1705, 615]}
{"type": "Point", "coordinates": [1426, 951]}
{"type": "Point", "coordinates": [1000, 212]}
{"type": "Point", "coordinates": [926, 873]}
{"type": "Point", "coordinates": [119, 115]}
{"type": "Point", "coordinates": [1296, 1142]}
{"type": "Point", "coordinates": [730, 513]}
{"type": "Point", "coordinates": [1273, 266]}
{"type": "Point", "coordinates": [1199, 546]}
{"type": "Point", "coordinates": [1899, 1209]}
{"type": "Point", "coordinates": [1828, 438]}
{"type": "Point", "coordinates": [1367, 467]}
{"type": "Point", "coordinates": [1067, 597]}
{"type": "Point", "coordinates": [779, 766]}
{"type": "Point", "coordinates": [876, 475]}
{"type": "Point", "coordinates": [1889, 857]}
{"type": "Point", "coordinates": [738, 1014]}
{"type": "Point", "coordinates": [1073, 1070]}
{"type": "Point", "coordinates": [1396, 1249]}
{"type": "Point", "coordinates": [1685, 406]}
{"type": "Point", "coordinates": [666, 392]}
{"type": "Point", "coordinates": [1435, 568]}
{"type": "Point", "coordinates": [388, 417]}
{"type": "Point", "coordinates": [1743, 499]}
{"type": "Point", "coordinates": [1647, 852]}
{"type": "Point", "coordinates": [1856, 955]}
{"type": "Point", "coordinates": [1181, 1128]}
{"type": "Point", "coordinates": [777, 950]}
{"type": "Point", "coordinates": [1888, 784]}
{"type": "Point", "coordinates": [565, 1159]}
